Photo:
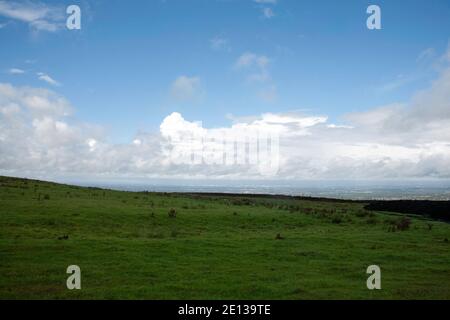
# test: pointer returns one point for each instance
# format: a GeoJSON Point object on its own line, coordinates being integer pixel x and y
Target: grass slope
{"type": "Point", "coordinates": [217, 247]}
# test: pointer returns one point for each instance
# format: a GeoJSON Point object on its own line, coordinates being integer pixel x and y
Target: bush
{"type": "Point", "coordinates": [242, 202]}
{"type": "Point", "coordinates": [172, 213]}
{"type": "Point", "coordinates": [46, 197]}
{"type": "Point", "coordinates": [337, 219]}
{"type": "Point", "coordinates": [403, 224]}
{"type": "Point", "coordinates": [371, 220]}
{"type": "Point", "coordinates": [400, 224]}
{"type": "Point", "coordinates": [362, 213]}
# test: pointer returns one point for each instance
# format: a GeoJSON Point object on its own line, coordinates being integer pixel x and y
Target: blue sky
{"type": "Point", "coordinates": [133, 63]}
{"type": "Point", "coordinates": [118, 69]}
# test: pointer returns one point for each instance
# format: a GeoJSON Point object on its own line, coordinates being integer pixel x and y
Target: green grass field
{"type": "Point", "coordinates": [217, 247]}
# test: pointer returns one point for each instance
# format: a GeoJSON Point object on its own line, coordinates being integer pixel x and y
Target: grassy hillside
{"type": "Point", "coordinates": [216, 247]}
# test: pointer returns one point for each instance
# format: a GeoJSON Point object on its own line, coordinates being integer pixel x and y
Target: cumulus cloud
{"type": "Point", "coordinates": [38, 135]}
{"type": "Point", "coordinates": [39, 16]}
{"type": "Point", "coordinates": [34, 101]}
{"type": "Point", "coordinates": [186, 88]}
{"type": "Point", "coordinates": [34, 134]}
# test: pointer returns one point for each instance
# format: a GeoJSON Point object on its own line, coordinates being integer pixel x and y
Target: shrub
{"type": "Point", "coordinates": [337, 219]}
{"type": "Point", "coordinates": [242, 202]}
{"type": "Point", "coordinates": [46, 197]}
{"type": "Point", "coordinates": [371, 220]}
{"type": "Point", "coordinates": [172, 213]}
{"type": "Point", "coordinates": [403, 224]}
{"type": "Point", "coordinates": [400, 224]}
{"type": "Point", "coordinates": [269, 205]}
{"type": "Point", "coordinates": [361, 213]}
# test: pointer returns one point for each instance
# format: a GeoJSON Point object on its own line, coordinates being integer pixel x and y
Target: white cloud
{"type": "Point", "coordinates": [266, 1]}
{"type": "Point", "coordinates": [44, 25]}
{"type": "Point", "coordinates": [16, 71]}
{"type": "Point", "coordinates": [268, 13]}
{"type": "Point", "coordinates": [45, 77]}
{"type": "Point", "coordinates": [220, 43]}
{"type": "Point", "coordinates": [403, 140]}
{"type": "Point", "coordinates": [249, 59]}
{"type": "Point", "coordinates": [426, 54]}
{"type": "Point", "coordinates": [34, 101]}
{"type": "Point", "coordinates": [186, 88]}
{"type": "Point", "coordinates": [264, 5]}
{"type": "Point", "coordinates": [39, 16]}
{"type": "Point", "coordinates": [269, 94]}
{"type": "Point", "coordinates": [398, 82]}
{"type": "Point", "coordinates": [256, 64]}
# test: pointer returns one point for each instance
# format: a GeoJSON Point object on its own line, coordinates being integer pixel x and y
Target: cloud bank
{"type": "Point", "coordinates": [40, 136]}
